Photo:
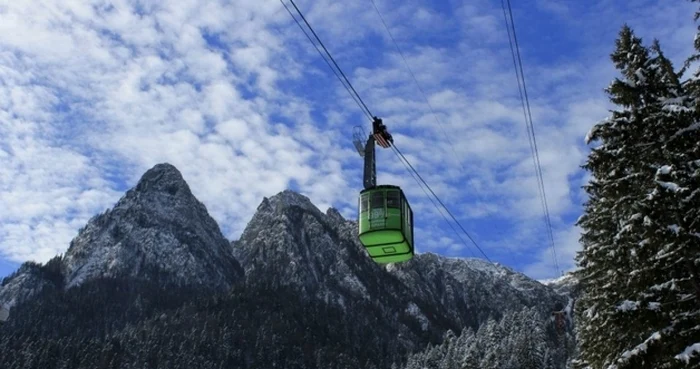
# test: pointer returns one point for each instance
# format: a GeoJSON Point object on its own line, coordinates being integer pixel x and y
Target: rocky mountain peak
{"type": "Point", "coordinates": [287, 199]}
{"type": "Point", "coordinates": [291, 241]}
{"type": "Point", "coordinates": [334, 215]}
{"type": "Point", "coordinates": [157, 230]}
{"type": "Point", "coordinates": [282, 228]}
{"type": "Point", "coordinates": [165, 178]}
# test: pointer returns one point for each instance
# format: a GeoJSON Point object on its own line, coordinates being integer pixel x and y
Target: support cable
{"type": "Point", "coordinates": [369, 116]}
{"type": "Point", "coordinates": [525, 102]}
{"type": "Point", "coordinates": [386, 27]}
{"type": "Point", "coordinates": [433, 201]}
{"type": "Point", "coordinates": [441, 203]}
{"type": "Point", "coordinates": [364, 106]}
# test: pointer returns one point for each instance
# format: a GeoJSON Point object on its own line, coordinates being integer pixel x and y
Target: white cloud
{"type": "Point", "coordinates": [235, 97]}
{"type": "Point", "coordinates": [567, 242]}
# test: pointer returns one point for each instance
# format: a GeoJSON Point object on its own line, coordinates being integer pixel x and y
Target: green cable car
{"type": "Point", "coordinates": [385, 218]}
{"type": "Point", "coordinates": [386, 224]}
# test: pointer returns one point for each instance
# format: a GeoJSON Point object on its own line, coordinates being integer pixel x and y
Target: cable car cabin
{"type": "Point", "coordinates": [386, 224]}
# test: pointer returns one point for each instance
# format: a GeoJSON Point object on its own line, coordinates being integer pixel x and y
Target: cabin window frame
{"type": "Point", "coordinates": [364, 203]}
{"type": "Point", "coordinates": [373, 203]}
{"type": "Point", "coordinates": [395, 195]}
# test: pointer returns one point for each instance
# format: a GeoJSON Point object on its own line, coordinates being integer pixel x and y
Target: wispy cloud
{"type": "Point", "coordinates": [232, 93]}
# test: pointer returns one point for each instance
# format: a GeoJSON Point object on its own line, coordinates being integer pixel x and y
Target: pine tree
{"type": "Point", "coordinates": [671, 292]}
{"type": "Point", "coordinates": [620, 180]}
{"type": "Point", "coordinates": [471, 358]}
{"type": "Point", "coordinates": [535, 340]}
{"type": "Point", "coordinates": [694, 82]}
{"type": "Point", "coordinates": [492, 337]}
{"type": "Point", "coordinates": [449, 359]}
{"type": "Point", "coordinates": [666, 266]}
{"type": "Point", "coordinates": [640, 258]}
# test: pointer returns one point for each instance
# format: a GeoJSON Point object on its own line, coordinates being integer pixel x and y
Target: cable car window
{"type": "Point", "coordinates": [393, 199]}
{"type": "Point", "coordinates": [364, 203]}
{"type": "Point", "coordinates": [377, 199]}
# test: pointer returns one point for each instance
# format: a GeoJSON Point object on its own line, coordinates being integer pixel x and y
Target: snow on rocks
{"type": "Point", "coordinates": [156, 228]}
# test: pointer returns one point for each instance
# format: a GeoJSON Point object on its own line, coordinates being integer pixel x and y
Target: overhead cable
{"type": "Point", "coordinates": [386, 27]}
{"type": "Point", "coordinates": [355, 98]}
{"type": "Point", "coordinates": [440, 201]}
{"type": "Point", "coordinates": [407, 166]}
{"type": "Point", "coordinates": [363, 106]}
{"type": "Point", "coordinates": [525, 102]}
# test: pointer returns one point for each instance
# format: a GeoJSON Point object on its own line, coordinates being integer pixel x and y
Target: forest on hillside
{"type": "Point", "coordinates": [517, 340]}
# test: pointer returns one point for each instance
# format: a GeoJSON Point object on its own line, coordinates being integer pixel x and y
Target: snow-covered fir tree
{"type": "Point", "coordinates": [516, 341]}
{"type": "Point", "coordinates": [640, 241]}
{"type": "Point", "coordinates": [666, 260]}
{"type": "Point", "coordinates": [617, 185]}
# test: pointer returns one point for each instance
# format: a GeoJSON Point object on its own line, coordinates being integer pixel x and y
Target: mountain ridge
{"type": "Point", "coordinates": [262, 253]}
{"type": "Point", "coordinates": [160, 234]}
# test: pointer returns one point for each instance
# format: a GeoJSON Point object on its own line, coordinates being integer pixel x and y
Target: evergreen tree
{"type": "Point", "coordinates": [665, 275]}
{"type": "Point", "coordinates": [531, 341]}
{"type": "Point", "coordinates": [640, 252]}
{"type": "Point", "coordinates": [471, 358]}
{"type": "Point", "coordinates": [619, 182]}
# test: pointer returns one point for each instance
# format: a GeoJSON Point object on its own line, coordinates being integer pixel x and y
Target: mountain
{"type": "Point", "coordinates": [158, 231]}
{"type": "Point", "coordinates": [473, 290]}
{"type": "Point", "coordinates": [30, 279]}
{"type": "Point", "coordinates": [296, 290]}
{"type": "Point", "coordinates": [294, 243]}
{"type": "Point", "coordinates": [290, 242]}
{"type": "Point", "coordinates": [291, 239]}
{"type": "Point", "coordinates": [519, 337]}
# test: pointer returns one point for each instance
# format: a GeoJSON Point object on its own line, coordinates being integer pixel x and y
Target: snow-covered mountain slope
{"type": "Point", "coordinates": [567, 285]}
{"type": "Point", "coordinates": [290, 241]}
{"type": "Point", "coordinates": [472, 290]}
{"type": "Point", "coordinates": [293, 242]}
{"type": "Point", "coordinates": [30, 279]}
{"type": "Point", "coordinates": [161, 234]}
{"type": "Point", "coordinates": [158, 231]}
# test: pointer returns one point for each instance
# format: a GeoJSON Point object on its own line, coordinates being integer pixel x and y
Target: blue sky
{"type": "Point", "coordinates": [234, 95]}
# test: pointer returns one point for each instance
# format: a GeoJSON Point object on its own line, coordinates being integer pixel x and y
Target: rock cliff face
{"type": "Point", "coordinates": [293, 242]}
{"type": "Point", "coordinates": [30, 279]}
{"type": "Point", "coordinates": [158, 230]}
